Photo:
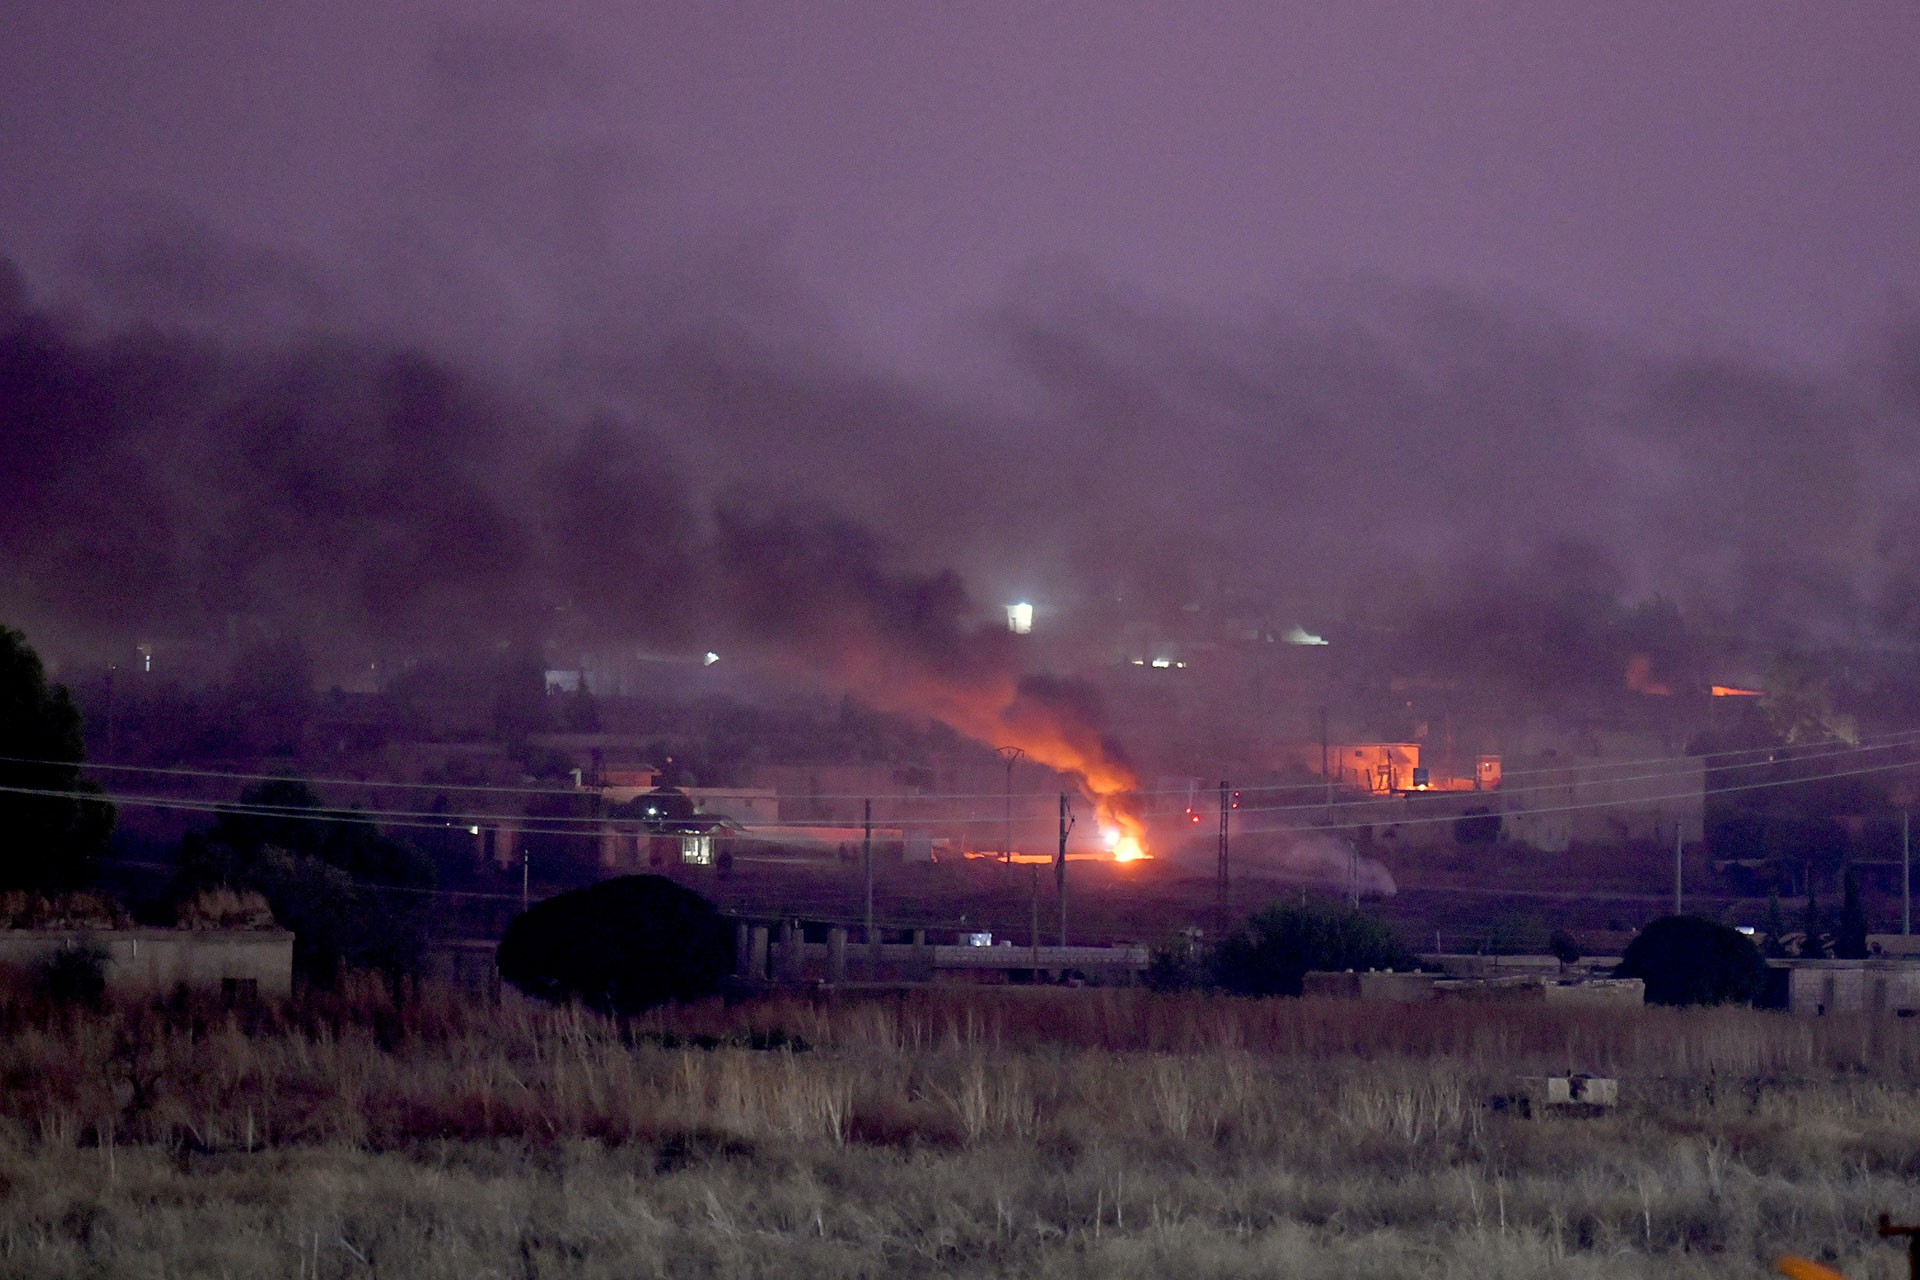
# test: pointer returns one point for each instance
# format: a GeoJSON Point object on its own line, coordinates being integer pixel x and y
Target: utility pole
{"type": "Point", "coordinates": [1679, 835]}
{"type": "Point", "coordinates": [1034, 936]}
{"type": "Point", "coordinates": [1222, 874]}
{"type": "Point", "coordinates": [1060, 867]}
{"type": "Point", "coordinates": [112, 753]}
{"type": "Point", "coordinates": [1906, 874]}
{"type": "Point", "coordinates": [1326, 764]}
{"type": "Point", "coordinates": [526, 877]}
{"type": "Point", "coordinates": [873, 946]}
{"type": "Point", "coordinates": [1009, 754]}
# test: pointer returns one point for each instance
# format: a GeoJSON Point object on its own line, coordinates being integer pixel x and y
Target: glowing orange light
{"type": "Point", "coordinates": [1123, 846]}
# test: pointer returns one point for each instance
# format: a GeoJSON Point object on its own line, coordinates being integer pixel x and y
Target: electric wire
{"type": "Point", "coordinates": [565, 824]}
{"type": "Point", "coordinates": [1710, 760]}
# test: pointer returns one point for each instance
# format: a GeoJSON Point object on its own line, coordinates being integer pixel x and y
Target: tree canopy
{"type": "Point", "coordinates": [349, 894]}
{"type": "Point", "coordinates": [1686, 960]}
{"type": "Point", "coordinates": [1278, 947]}
{"type": "Point", "coordinates": [49, 842]}
{"type": "Point", "coordinates": [619, 946]}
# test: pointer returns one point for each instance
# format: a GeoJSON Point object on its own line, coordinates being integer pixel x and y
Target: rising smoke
{"type": "Point", "coordinates": [510, 428]}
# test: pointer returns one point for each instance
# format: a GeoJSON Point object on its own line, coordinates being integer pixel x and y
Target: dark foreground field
{"type": "Point", "coordinates": [1027, 1133]}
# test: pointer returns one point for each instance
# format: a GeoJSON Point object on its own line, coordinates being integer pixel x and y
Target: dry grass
{"type": "Point", "coordinates": [1041, 1133]}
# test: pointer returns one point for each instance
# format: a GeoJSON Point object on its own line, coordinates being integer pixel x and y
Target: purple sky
{"type": "Point", "coordinates": [1727, 170]}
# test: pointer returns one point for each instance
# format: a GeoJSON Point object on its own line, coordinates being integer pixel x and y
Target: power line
{"type": "Point", "coordinates": [570, 825]}
{"type": "Point", "coordinates": [1725, 759]}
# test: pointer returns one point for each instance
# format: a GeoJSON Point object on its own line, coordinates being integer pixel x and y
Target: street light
{"type": "Point", "coordinates": [1009, 754]}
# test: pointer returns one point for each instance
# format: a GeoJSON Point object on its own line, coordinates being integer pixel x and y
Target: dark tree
{"type": "Point", "coordinates": [1685, 960]}
{"type": "Point", "coordinates": [1773, 929]}
{"type": "Point", "coordinates": [1813, 941]}
{"type": "Point", "coordinates": [1277, 948]}
{"type": "Point", "coordinates": [351, 896]}
{"type": "Point", "coordinates": [1562, 947]}
{"type": "Point", "coordinates": [48, 843]}
{"type": "Point", "coordinates": [1850, 938]}
{"type": "Point", "coordinates": [619, 946]}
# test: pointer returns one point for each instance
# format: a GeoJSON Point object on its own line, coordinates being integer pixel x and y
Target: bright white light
{"type": "Point", "coordinates": [473, 831]}
{"type": "Point", "coordinates": [710, 659]}
{"type": "Point", "coordinates": [1163, 663]}
{"type": "Point", "coordinates": [1139, 662]}
{"type": "Point", "coordinates": [1747, 929]}
{"type": "Point", "coordinates": [1020, 618]}
{"type": "Point", "coordinates": [1300, 635]}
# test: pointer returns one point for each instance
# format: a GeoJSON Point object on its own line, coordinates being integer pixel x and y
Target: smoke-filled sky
{"type": "Point", "coordinates": [1719, 169]}
{"type": "Point", "coordinates": [392, 315]}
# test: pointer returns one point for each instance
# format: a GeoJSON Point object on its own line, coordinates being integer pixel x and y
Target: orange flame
{"type": "Point", "coordinates": [1121, 832]}
{"type": "Point", "coordinates": [1000, 710]}
{"type": "Point", "coordinates": [970, 691]}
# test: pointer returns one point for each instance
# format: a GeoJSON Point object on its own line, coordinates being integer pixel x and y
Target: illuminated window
{"type": "Point", "coordinates": [696, 851]}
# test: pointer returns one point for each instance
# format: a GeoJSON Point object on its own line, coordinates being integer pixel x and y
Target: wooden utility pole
{"type": "Point", "coordinates": [873, 941]}
{"type": "Point", "coordinates": [1034, 935]}
{"type": "Point", "coordinates": [1906, 874]}
{"type": "Point", "coordinates": [1326, 765]}
{"type": "Point", "coordinates": [1221, 888]}
{"type": "Point", "coordinates": [1679, 835]}
{"type": "Point", "coordinates": [1060, 868]}
{"type": "Point", "coordinates": [1010, 755]}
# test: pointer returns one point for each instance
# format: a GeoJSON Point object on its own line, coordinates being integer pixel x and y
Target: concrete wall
{"type": "Point", "coordinates": [1390, 988]}
{"type": "Point", "coordinates": [159, 959]}
{"type": "Point", "coordinates": [1817, 987]}
{"type": "Point", "coordinates": [1552, 802]}
{"type": "Point", "coordinates": [1510, 988]}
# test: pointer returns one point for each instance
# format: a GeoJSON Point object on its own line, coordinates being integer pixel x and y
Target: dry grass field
{"type": "Point", "coordinates": [1041, 1133]}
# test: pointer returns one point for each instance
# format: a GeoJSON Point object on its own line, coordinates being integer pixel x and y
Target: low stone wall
{"type": "Point", "coordinates": [1416, 988]}
{"type": "Point", "coordinates": [1853, 986]}
{"type": "Point", "coordinates": [1390, 988]}
{"type": "Point", "coordinates": [260, 960]}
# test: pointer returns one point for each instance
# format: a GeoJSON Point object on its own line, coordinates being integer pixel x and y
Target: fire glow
{"type": "Point", "coordinates": [1125, 846]}
{"type": "Point", "coordinates": [901, 643]}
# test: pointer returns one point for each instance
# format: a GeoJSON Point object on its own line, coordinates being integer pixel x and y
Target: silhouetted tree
{"type": "Point", "coordinates": [1686, 960]}
{"type": "Point", "coordinates": [1813, 941]}
{"type": "Point", "coordinates": [619, 946]}
{"type": "Point", "coordinates": [1278, 947]}
{"type": "Point", "coordinates": [1850, 938]}
{"type": "Point", "coordinates": [50, 842]}
{"type": "Point", "coordinates": [351, 896]}
{"type": "Point", "coordinates": [1562, 947]}
{"type": "Point", "coordinates": [1773, 929]}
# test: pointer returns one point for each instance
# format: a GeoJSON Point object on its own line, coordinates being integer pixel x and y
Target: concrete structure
{"type": "Point", "coordinates": [1603, 793]}
{"type": "Point", "coordinates": [781, 952]}
{"type": "Point", "coordinates": [472, 964]}
{"type": "Point", "coordinates": [1816, 987]}
{"type": "Point", "coordinates": [1531, 979]}
{"type": "Point", "coordinates": [1376, 985]}
{"type": "Point", "coordinates": [255, 961]}
{"type": "Point", "coordinates": [1533, 989]}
